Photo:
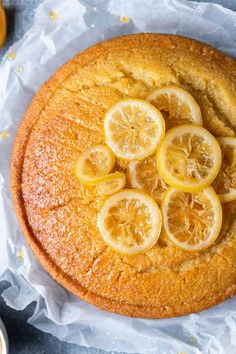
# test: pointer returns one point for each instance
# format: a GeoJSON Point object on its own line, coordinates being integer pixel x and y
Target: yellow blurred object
{"type": "Point", "coordinates": [53, 16]}
{"type": "Point", "coordinates": [4, 134]}
{"type": "Point", "coordinates": [3, 25]}
{"type": "Point", "coordinates": [124, 19]}
{"type": "Point", "coordinates": [11, 55]}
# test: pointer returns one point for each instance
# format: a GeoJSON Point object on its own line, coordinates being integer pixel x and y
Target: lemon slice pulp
{"type": "Point", "coordinates": [94, 163]}
{"type": "Point", "coordinates": [176, 105]}
{"type": "Point", "coordinates": [130, 222]}
{"type": "Point", "coordinates": [143, 175]}
{"type": "Point", "coordinates": [133, 129]}
{"type": "Point", "coordinates": [192, 221]}
{"type": "Point", "coordinates": [189, 158]}
{"type": "Point", "coordinates": [111, 183]}
{"type": "Point", "coordinates": [225, 182]}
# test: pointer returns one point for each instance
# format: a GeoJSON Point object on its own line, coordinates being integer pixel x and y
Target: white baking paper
{"type": "Point", "coordinates": [60, 30]}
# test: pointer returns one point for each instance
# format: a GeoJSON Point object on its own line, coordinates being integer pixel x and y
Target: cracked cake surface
{"type": "Point", "coordinates": [58, 214]}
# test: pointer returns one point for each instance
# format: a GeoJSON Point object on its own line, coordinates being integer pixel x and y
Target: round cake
{"type": "Point", "coordinates": [58, 214]}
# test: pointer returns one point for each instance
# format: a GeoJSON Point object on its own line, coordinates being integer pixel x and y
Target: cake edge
{"type": "Point", "coordinates": [24, 130]}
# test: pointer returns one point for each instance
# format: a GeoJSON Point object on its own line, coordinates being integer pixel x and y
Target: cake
{"type": "Point", "coordinates": [58, 215]}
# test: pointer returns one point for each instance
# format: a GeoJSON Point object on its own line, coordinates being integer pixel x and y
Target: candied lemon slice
{"type": "Point", "coordinates": [192, 221]}
{"type": "Point", "coordinates": [3, 25]}
{"type": "Point", "coordinates": [143, 175]}
{"type": "Point", "coordinates": [176, 105]}
{"type": "Point", "coordinates": [189, 158]}
{"type": "Point", "coordinates": [130, 221]}
{"type": "Point", "coordinates": [111, 184]}
{"type": "Point", "coordinates": [225, 182]}
{"type": "Point", "coordinates": [133, 129]}
{"type": "Point", "coordinates": [94, 163]}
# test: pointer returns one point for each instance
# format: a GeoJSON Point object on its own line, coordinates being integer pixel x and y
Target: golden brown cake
{"type": "Point", "coordinates": [58, 215]}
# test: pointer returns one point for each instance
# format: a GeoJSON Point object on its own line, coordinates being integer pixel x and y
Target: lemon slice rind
{"type": "Point", "coordinates": [155, 221]}
{"type": "Point", "coordinates": [183, 184]}
{"type": "Point", "coordinates": [110, 184]}
{"type": "Point", "coordinates": [121, 133]}
{"type": "Point", "coordinates": [183, 96]}
{"type": "Point", "coordinates": [216, 205]}
{"type": "Point", "coordinates": [106, 165]}
{"type": "Point", "coordinates": [231, 194]}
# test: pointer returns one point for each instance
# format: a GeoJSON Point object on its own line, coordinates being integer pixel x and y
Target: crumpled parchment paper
{"type": "Point", "coordinates": [60, 30]}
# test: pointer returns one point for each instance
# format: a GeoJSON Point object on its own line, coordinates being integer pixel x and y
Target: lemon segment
{"type": "Point", "coordinates": [192, 221]}
{"type": "Point", "coordinates": [143, 175]}
{"type": "Point", "coordinates": [94, 163]}
{"type": "Point", "coordinates": [189, 158]}
{"type": "Point", "coordinates": [176, 105]}
{"type": "Point", "coordinates": [225, 182]}
{"type": "Point", "coordinates": [111, 183]}
{"type": "Point", "coordinates": [133, 129]}
{"type": "Point", "coordinates": [130, 222]}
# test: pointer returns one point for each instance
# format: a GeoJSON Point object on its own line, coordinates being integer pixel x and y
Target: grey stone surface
{"type": "Point", "coordinates": [25, 339]}
{"type": "Point", "coordinates": [20, 15]}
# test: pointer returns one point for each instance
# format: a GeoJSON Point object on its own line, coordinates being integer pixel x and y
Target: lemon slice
{"type": "Point", "coordinates": [3, 25]}
{"type": "Point", "coordinates": [133, 129]}
{"type": "Point", "coordinates": [111, 184]}
{"type": "Point", "coordinates": [189, 158]}
{"type": "Point", "coordinates": [192, 221]}
{"type": "Point", "coordinates": [225, 182]}
{"type": "Point", "coordinates": [130, 221]}
{"type": "Point", "coordinates": [143, 175]}
{"type": "Point", "coordinates": [176, 105]}
{"type": "Point", "coordinates": [94, 163]}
